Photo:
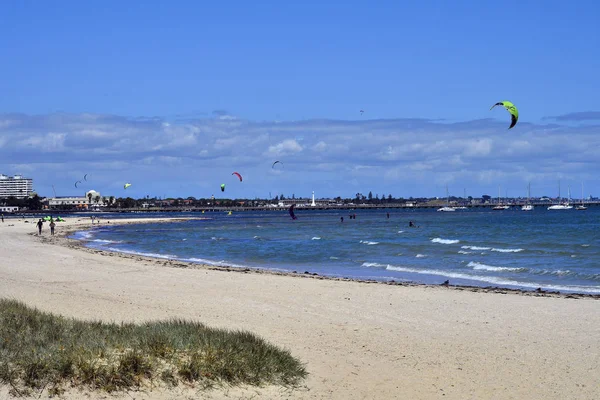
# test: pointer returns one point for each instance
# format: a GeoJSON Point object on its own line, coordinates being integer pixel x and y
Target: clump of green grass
{"type": "Point", "coordinates": [40, 350]}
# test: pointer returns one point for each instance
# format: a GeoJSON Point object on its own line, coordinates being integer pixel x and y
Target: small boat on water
{"type": "Point", "coordinates": [582, 206]}
{"type": "Point", "coordinates": [528, 206]}
{"type": "Point", "coordinates": [500, 207]}
{"type": "Point", "coordinates": [563, 206]}
{"type": "Point", "coordinates": [447, 207]}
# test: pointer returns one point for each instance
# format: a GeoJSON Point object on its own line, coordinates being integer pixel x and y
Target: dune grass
{"type": "Point", "coordinates": [40, 350]}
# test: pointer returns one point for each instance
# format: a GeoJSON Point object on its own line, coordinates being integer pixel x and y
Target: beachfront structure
{"type": "Point", "coordinates": [92, 198]}
{"type": "Point", "coordinates": [306, 202]}
{"type": "Point", "coordinates": [79, 202]}
{"type": "Point", "coordinates": [9, 209]}
{"type": "Point", "coordinates": [15, 186]}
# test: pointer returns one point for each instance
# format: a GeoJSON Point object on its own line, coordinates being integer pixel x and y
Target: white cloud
{"type": "Point", "coordinates": [288, 146]}
{"type": "Point", "coordinates": [402, 157]}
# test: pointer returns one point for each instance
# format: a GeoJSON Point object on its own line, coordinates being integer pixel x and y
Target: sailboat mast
{"type": "Point", "coordinates": [559, 198]}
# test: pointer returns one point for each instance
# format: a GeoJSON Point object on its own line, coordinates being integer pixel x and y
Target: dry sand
{"type": "Point", "coordinates": [359, 340]}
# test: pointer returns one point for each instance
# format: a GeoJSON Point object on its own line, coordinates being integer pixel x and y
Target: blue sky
{"type": "Point", "coordinates": [77, 79]}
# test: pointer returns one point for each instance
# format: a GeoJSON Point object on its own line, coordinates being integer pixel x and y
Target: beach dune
{"type": "Point", "coordinates": [359, 340]}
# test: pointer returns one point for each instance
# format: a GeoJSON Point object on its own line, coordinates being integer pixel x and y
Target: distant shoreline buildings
{"type": "Point", "coordinates": [15, 186]}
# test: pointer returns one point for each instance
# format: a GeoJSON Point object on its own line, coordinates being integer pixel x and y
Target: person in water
{"type": "Point", "coordinates": [411, 224]}
{"type": "Point", "coordinates": [341, 219]}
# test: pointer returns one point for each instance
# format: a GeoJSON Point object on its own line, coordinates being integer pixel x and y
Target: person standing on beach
{"type": "Point", "coordinates": [2, 218]}
{"type": "Point", "coordinates": [52, 225]}
{"type": "Point", "coordinates": [39, 225]}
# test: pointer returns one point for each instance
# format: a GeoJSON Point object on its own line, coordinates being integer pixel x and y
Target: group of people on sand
{"type": "Point", "coordinates": [40, 224]}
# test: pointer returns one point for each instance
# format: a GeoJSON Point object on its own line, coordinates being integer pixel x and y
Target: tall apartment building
{"type": "Point", "coordinates": [15, 186]}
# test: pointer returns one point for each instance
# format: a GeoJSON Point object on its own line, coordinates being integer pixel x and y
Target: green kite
{"type": "Point", "coordinates": [510, 107]}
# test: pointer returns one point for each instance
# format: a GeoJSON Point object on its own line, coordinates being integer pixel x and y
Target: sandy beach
{"type": "Point", "coordinates": [359, 340]}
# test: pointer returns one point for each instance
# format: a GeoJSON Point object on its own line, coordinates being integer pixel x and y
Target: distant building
{"type": "Point", "coordinates": [79, 201]}
{"type": "Point", "coordinates": [15, 186]}
{"type": "Point", "coordinates": [9, 209]}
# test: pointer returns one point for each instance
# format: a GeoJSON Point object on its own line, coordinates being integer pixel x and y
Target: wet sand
{"type": "Point", "coordinates": [359, 340]}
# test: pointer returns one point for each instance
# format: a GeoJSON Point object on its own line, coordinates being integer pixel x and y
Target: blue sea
{"type": "Point", "coordinates": [552, 250]}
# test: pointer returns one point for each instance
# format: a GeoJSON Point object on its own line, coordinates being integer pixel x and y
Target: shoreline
{"type": "Point", "coordinates": [357, 339]}
{"type": "Point", "coordinates": [62, 239]}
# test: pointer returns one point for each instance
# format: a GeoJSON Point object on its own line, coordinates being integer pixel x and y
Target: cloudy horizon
{"type": "Point", "coordinates": [403, 157]}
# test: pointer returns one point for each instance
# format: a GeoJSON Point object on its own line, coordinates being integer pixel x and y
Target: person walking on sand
{"type": "Point", "coordinates": [52, 225]}
{"type": "Point", "coordinates": [2, 218]}
{"type": "Point", "coordinates": [39, 225]}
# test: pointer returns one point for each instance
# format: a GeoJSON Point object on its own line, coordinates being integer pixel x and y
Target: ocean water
{"type": "Point", "coordinates": [554, 250]}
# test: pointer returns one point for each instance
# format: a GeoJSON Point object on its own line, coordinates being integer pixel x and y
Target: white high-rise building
{"type": "Point", "coordinates": [15, 186]}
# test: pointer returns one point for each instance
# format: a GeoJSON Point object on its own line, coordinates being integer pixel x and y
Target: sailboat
{"type": "Point", "coordinates": [500, 207]}
{"type": "Point", "coordinates": [447, 207]}
{"type": "Point", "coordinates": [528, 206]}
{"type": "Point", "coordinates": [565, 205]}
{"type": "Point", "coordinates": [582, 206]}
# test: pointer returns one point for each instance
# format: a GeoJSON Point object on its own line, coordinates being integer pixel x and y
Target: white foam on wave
{"type": "Point", "coordinates": [464, 252]}
{"type": "Point", "coordinates": [445, 241]}
{"type": "Point", "coordinates": [400, 231]}
{"type": "Point", "coordinates": [106, 241]}
{"type": "Point", "coordinates": [497, 280]}
{"type": "Point", "coordinates": [372, 264]}
{"type": "Point", "coordinates": [480, 266]}
{"type": "Point", "coordinates": [221, 263]}
{"type": "Point", "coordinates": [507, 250]}
{"type": "Point", "coordinates": [139, 253]}
{"type": "Point", "coordinates": [557, 272]}
{"type": "Point", "coordinates": [316, 238]}
{"type": "Point", "coordinates": [420, 256]}
{"type": "Point", "coordinates": [368, 242]}
{"type": "Point", "coordinates": [585, 245]}
{"type": "Point", "coordinates": [498, 250]}
{"type": "Point", "coordinates": [475, 248]}
{"type": "Point", "coordinates": [83, 235]}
